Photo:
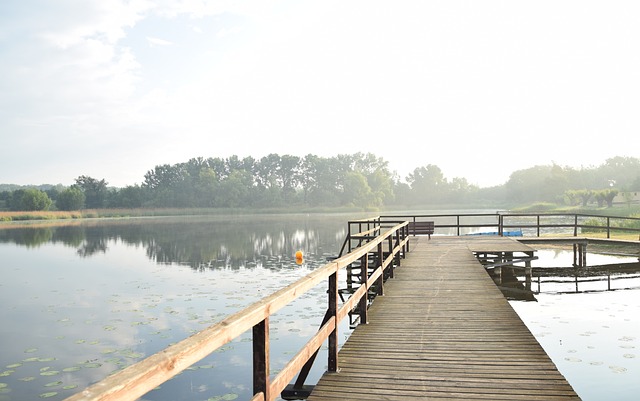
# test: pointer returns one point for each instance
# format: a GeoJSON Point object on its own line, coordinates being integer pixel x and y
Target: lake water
{"type": "Point", "coordinates": [81, 301]}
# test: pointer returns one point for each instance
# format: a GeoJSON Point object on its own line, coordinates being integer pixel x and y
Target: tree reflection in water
{"type": "Point", "coordinates": [199, 242]}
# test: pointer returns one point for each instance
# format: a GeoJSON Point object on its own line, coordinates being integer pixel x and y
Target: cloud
{"type": "Point", "coordinates": [158, 42]}
{"type": "Point", "coordinates": [224, 32]}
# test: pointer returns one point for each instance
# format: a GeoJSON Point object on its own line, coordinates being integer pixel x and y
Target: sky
{"type": "Point", "coordinates": [111, 89]}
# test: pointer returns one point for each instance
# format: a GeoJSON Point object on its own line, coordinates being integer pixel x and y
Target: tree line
{"type": "Point", "coordinates": [362, 180]}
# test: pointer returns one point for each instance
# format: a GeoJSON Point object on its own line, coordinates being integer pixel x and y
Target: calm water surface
{"type": "Point", "coordinates": [80, 302]}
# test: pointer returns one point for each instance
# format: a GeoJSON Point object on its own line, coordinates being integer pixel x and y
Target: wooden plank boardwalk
{"type": "Point", "coordinates": [443, 330]}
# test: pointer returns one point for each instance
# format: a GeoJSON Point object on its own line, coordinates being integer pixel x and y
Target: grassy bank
{"type": "Point", "coordinates": [8, 217]}
{"type": "Point", "coordinates": [616, 210]}
{"type": "Point", "coordinates": [24, 216]}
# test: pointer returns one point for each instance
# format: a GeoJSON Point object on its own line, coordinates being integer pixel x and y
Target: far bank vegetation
{"type": "Point", "coordinates": [357, 181]}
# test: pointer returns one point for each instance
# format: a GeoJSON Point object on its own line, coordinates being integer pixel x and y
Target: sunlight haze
{"type": "Point", "coordinates": [110, 89]}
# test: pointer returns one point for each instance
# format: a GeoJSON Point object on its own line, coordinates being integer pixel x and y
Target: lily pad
{"type": "Point", "coordinates": [14, 365]}
{"type": "Point", "coordinates": [50, 373]}
{"type": "Point", "coordinates": [226, 397]}
{"type": "Point", "coordinates": [132, 354]}
{"type": "Point", "coordinates": [92, 365]}
{"type": "Point", "coordinates": [53, 384]}
{"type": "Point", "coordinates": [30, 350]}
{"type": "Point", "coordinates": [49, 394]}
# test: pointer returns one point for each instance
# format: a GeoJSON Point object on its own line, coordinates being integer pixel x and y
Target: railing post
{"type": "Point", "coordinates": [538, 224]}
{"type": "Point", "coordinates": [458, 223]}
{"type": "Point", "coordinates": [261, 359]}
{"type": "Point", "coordinates": [575, 226]}
{"type": "Point", "coordinates": [500, 223]}
{"type": "Point", "coordinates": [405, 230]}
{"type": "Point", "coordinates": [332, 362]}
{"type": "Point", "coordinates": [391, 265]}
{"type": "Point", "coordinates": [397, 244]}
{"type": "Point", "coordinates": [364, 263]}
{"type": "Point", "coordinates": [608, 227]}
{"type": "Point", "coordinates": [380, 280]}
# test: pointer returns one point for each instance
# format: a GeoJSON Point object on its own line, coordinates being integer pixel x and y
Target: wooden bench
{"type": "Point", "coordinates": [421, 228]}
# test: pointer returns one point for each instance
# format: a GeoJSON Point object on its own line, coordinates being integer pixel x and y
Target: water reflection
{"type": "Point", "coordinates": [554, 271]}
{"type": "Point", "coordinates": [201, 243]}
{"type": "Point", "coordinates": [78, 302]}
{"type": "Point", "coordinates": [593, 338]}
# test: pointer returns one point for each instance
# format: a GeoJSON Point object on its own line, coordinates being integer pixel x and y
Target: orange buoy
{"type": "Point", "coordinates": [299, 255]}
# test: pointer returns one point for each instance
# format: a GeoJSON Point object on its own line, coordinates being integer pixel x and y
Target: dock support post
{"type": "Point", "coordinates": [261, 358]}
{"type": "Point", "coordinates": [333, 312]}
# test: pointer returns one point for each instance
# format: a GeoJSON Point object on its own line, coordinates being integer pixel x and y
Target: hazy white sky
{"type": "Point", "coordinates": [111, 89]}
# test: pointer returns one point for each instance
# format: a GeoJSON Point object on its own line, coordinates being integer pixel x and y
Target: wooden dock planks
{"type": "Point", "coordinates": [443, 330]}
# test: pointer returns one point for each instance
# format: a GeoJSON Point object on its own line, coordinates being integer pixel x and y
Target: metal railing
{"type": "Point", "coordinates": [528, 224]}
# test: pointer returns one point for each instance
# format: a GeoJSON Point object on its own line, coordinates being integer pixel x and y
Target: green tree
{"type": "Point", "coordinates": [356, 190]}
{"type": "Point", "coordinates": [460, 190]}
{"type": "Point", "coordinates": [381, 185]}
{"type": "Point", "coordinates": [29, 200]}
{"type": "Point", "coordinates": [289, 175]}
{"type": "Point", "coordinates": [327, 182]}
{"type": "Point", "coordinates": [71, 198]}
{"type": "Point", "coordinates": [308, 172]}
{"type": "Point", "coordinates": [234, 190]}
{"type": "Point", "coordinates": [585, 195]}
{"type": "Point", "coordinates": [95, 191]}
{"type": "Point", "coordinates": [131, 196]}
{"type": "Point", "coordinates": [609, 195]}
{"type": "Point", "coordinates": [528, 185]}
{"type": "Point", "coordinates": [379, 178]}
{"type": "Point", "coordinates": [427, 184]}
{"type": "Point", "coordinates": [605, 195]}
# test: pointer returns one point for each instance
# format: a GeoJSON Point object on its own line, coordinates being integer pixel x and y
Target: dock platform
{"type": "Point", "coordinates": [444, 331]}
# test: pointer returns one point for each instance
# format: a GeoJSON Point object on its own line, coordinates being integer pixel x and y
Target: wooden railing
{"type": "Point", "coordinates": [386, 246]}
{"type": "Point", "coordinates": [532, 224]}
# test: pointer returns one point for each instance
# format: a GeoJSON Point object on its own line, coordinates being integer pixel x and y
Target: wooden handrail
{"type": "Point", "coordinates": [136, 380]}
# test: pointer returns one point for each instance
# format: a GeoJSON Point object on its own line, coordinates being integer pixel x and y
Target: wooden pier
{"type": "Point", "coordinates": [439, 329]}
{"type": "Point", "coordinates": [443, 330]}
